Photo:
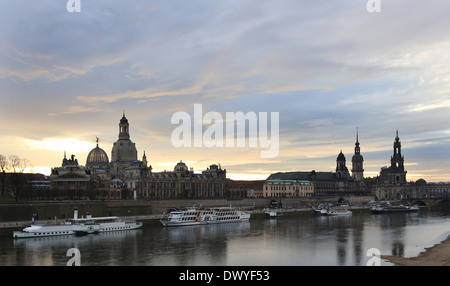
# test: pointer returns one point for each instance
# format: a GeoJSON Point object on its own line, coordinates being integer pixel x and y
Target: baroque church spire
{"type": "Point", "coordinates": [124, 128]}
{"type": "Point", "coordinates": [124, 152]}
{"type": "Point", "coordinates": [357, 161]}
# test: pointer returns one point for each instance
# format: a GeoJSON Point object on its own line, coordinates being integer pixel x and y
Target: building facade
{"type": "Point", "coordinates": [338, 183]}
{"type": "Point", "coordinates": [126, 177]}
{"type": "Point", "coordinates": [395, 174]}
{"type": "Point", "coordinates": [288, 188]}
{"type": "Point", "coordinates": [245, 188]}
{"type": "Point", "coordinates": [72, 177]}
{"type": "Point", "coordinates": [391, 184]}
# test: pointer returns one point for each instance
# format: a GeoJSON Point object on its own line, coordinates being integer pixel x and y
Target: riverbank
{"type": "Point", "coordinates": [437, 255]}
{"type": "Point", "coordinates": [22, 224]}
{"type": "Point", "coordinates": [48, 210]}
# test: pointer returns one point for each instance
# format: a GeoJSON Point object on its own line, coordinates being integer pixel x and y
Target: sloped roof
{"type": "Point", "coordinates": [330, 176]}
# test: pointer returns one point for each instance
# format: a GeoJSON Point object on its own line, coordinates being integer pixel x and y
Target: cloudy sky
{"type": "Point", "coordinates": [327, 67]}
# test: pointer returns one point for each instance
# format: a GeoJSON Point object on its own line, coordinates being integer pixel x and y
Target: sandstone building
{"type": "Point", "coordinates": [125, 176]}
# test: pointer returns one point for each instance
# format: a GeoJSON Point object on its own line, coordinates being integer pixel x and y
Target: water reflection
{"type": "Point", "coordinates": [47, 251]}
{"type": "Point", "coordinates": [294, 239]}
{"type": "Point", "coordinates": [196, 245]}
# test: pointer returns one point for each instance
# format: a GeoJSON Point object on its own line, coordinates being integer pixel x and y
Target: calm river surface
{"type": "Point", "coordinates": [301, 238]}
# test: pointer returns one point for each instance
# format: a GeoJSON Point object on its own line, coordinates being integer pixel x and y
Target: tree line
{"type": "Point", "coordinates": [13, 164]}
{"type": "Point", "coordinates": [12, 177]}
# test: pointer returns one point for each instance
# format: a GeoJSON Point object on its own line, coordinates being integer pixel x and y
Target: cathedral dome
{"type": "Point", "coordinates": [97, 157]}
{"type": "Point", "coordinates": [181, 167]}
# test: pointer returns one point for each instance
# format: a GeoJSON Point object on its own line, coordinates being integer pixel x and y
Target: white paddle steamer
{"type": "Point", "coordinates": [195, 216]}
{"type": "Point", "coordinates": [78, 226]}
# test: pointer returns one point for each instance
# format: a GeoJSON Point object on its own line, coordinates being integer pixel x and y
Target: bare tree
{"type": "Point", "coordinates": [14, 163]}
{"type": "Point", "coordinates": [23, 164]}
{"type": "Point", "coordinates": [3, 164]}
{"type": "Point", "coordinates": [18, 180]}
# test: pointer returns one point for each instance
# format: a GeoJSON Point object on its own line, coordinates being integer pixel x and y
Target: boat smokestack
{"type": "Point", "coordinates": [88, 215]}
{"type": "Point", "coordinates": [75, 214]}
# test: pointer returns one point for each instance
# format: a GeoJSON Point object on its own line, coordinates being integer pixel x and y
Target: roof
{"type": "Point", "coordinates": [97, 156]}
{"type": "Point", "coordinates": [181, 166]}
{"type": "Point", "coordinates": [303, 176]}
{"type": "Point", "coordinates": [341, 156]}
{"type": "Point", "coordinates": [288, 182]}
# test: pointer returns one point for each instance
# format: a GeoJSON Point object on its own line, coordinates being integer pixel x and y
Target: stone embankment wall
{"type": "Point", "coordinates": [64, 209]}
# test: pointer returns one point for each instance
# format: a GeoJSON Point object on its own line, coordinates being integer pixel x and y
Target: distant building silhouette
{"type": "Point", "coordinates": [357, 162]}
{"type": "Point", "coordinates": [127, 177]}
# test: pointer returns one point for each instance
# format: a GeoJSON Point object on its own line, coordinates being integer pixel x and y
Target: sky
{"type": "Point", "coordinates": [325, 67]}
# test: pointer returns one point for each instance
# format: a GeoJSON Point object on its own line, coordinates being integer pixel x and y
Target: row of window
{"type": "Point", "coordinates": [186, 185]}
{"type": "Point", "coordinates": [68, 232]}
{"type": "Point", "coordinates": [226, 213]}
{"type": "Point", "coordinates": [50, 233]}
{"type": "Point", "coordinates": [116, 228]}
{"type": "Point", "coordinates": [218, 218]}
{"type": "Point", "coordinates": [188, 218]}
{"type": "Point", "coordinates": [228, 218]}
{"type": "Point", "coordinates": [284, 188]}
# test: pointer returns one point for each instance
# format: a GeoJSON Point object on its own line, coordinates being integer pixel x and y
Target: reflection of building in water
{"type": "Point", "coordinates": [40, 251]}
{"type": "Point", "coordinates": [211, 231]}
{"type": "Point", "coordinates": [211, 241]}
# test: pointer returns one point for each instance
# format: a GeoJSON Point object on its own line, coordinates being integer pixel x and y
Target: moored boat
{"type": "Point", "coordinates": [103, 224]}
{"type": "Point", "coordinates": [45, 230]}
{"type": "Point", "coordinates": [338, 212]}
{"type": "Point", "coordinates": [195, 216]}
{"type": "Point", "coordinates": [79, 226]}
{"type": "Point", "coordinates": [272, 213]}
{"type": "Point", "coordinates": [82, 229]}
{"type": "Point", "coordinates": [323, 208]}
{"type": "Point", "coordinates": [378, 209]}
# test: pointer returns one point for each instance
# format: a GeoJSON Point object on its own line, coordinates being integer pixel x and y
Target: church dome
{"type": "Point", "coordinates": [181, 167]}
{"type": "Point", "coordinates": [97, 157]}
{"type": "Point", "coordinates": [341, 157]}
{"type": "Point", "coordinates": [123, 120]}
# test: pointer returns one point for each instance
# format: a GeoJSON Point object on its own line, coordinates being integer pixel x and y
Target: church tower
{"type": "Point", "coordinates": [398, 163]}
{"type": "Point", "coordinates": [124, 152]}
{"type": "Point", "coordinates": [357, 162]}
{"type": "Point", "coordinates": [124, 128]}
{"type": "Point", "coordinates": [341, 169]}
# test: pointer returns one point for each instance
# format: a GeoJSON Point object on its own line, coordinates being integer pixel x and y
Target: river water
{"type": "Point", "coordinates": [296, 239]}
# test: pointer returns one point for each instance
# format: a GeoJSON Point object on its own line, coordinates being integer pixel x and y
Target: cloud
{"type": "Point", "coordinates": [326, 67]}
{"type": "Point", "coordinates": [62, 144]}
